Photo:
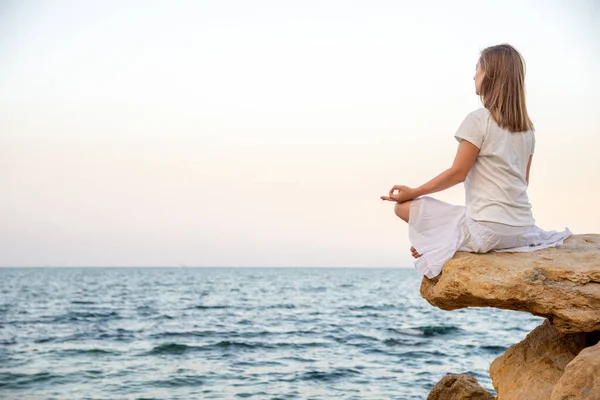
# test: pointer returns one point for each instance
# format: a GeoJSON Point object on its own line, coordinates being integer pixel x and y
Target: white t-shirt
{"type": "Point", "coordinates": [496, 186]}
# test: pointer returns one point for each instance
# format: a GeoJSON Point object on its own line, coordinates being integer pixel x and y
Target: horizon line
{"type": "Point", "coordinates": [190, 266]}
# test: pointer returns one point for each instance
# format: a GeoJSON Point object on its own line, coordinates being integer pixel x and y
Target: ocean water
{"type": "Point", "coordinates": [231, 333]}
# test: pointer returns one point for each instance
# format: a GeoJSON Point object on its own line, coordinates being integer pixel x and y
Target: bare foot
{"type": "Point", "coordinates": [414, 252]}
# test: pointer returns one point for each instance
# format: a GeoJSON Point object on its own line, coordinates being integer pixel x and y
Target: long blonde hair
{"type": "Point", "coordinates": [503, 87]}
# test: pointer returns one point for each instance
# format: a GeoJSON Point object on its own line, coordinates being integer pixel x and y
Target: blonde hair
{"type": "Point", "coordinates": [503, 87]}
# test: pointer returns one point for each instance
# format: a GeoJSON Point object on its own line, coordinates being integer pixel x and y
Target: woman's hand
{"type": "Point", "coordinates": [404, 193]}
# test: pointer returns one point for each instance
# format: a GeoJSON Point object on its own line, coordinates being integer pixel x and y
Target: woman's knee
{"type": "Point", "coordinates": [402, 210]}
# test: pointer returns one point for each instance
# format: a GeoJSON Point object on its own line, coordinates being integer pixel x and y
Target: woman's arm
{"type": "Point", "coordinates": [528, 168]}
{"type": "Point", "coordinates": [465, 158]}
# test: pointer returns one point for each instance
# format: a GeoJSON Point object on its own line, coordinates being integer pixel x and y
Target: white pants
{"type": "Point", "coordinates": [437, 230]}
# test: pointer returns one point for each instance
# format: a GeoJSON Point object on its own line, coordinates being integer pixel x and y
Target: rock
{"type": "Point", "coordinates": [459, 387]}
{"type": "Point", "coordinates": [581, 380]}
{"type": "Point", "coordinates": [561, 284]}
{"type": "Point", "coordinates": [531, 368]}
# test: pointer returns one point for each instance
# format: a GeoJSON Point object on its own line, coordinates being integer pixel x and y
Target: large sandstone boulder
{"type": "Point", "coordinates": [459, 387]}
{"type": "Point", "coordinates": [581, 380]}
{"type": "Point", "coordinates": [530, 369]}
{"type": "Point", "coordinates": [561, 284]}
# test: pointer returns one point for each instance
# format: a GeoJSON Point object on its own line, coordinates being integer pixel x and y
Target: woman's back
{"type": "Point", "coordinates": [496, 186]}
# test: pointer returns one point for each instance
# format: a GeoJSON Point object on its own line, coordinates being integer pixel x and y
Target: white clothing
{"type": "Point", "coordinates": [497, 215]}
{"type": "Point", "coordinates": [437, 230]}
{"type": "Point", "coordinates": [496, 186]}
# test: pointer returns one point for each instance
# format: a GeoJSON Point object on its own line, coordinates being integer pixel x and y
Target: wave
{"type": "Point", "coordinates": [352, 338]}
{"type": "Point", "coordinates": [398, 342]}
{"type": "Point", "coordinates": [428, 330]}
{"type": "Point", "coordinates": [373, 308]}
{"type": "Point", "coordinates": [228, 334]}
{"type": "Point", "coordinates": [164, 335]}
{"type": "Point", "coordinates": [423, 354]}
{"type": "Point", "coordinates": [257, 364]}
{"type": "Point", "coordinates": [165, 316]}
{"type": "Point", "coordinates": [178, 382]}
{"type": "Point", "coordinates": [248, 394]}
{"type": "Point", "coordinates": [119, 334]}
{"type": "Point", "coordinates": [171, 348]}
{"type": "Point", "coordinates": [78, 352]}
{"type": "Point", "coordinates": [177, 348]}
{"type": "Point", "coordinates": [11, 380]}
{"type": "Point", "coordinates": [299, 359]}
{"type": "Point", "coordinates": [328, 375]}
{"type": "Point", "coordinates": [280, 306]}
{"type": "Point", "coordinates": [204, 307]}
{"type": "Point", "coordinates": [357, 336]}
{"type": "Point", "coordinates": [221, 307]}
{"type": "Point", "coordinates": [73, 316]}
{"type": "Point", "coordinates": [494, 349]}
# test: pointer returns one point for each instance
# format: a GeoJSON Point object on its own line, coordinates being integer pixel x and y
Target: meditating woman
{"type": "Point", "coordinates": [496, 145]}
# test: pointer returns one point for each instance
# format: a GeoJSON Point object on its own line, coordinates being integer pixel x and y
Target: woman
{"type": "Point", "coordinates": [496, 145]}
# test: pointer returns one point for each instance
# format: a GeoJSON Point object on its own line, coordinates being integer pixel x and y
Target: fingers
{"type": "Point", "coordinates": [395, 187]}
{"type": "Point", "coordinates": [393, 198]}
{"type": "Point", "coordinates": [414, 252]}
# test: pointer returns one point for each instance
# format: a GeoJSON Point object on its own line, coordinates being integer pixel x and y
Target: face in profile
{"type": "Point", "coordinates": [478, 78]}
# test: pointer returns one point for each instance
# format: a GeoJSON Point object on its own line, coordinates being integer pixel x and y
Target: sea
{"type": "Point", "coordinates": [237, 333]}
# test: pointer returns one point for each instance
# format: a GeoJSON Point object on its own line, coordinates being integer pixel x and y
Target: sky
{"type": "Point", "coordinates": [263, 133]}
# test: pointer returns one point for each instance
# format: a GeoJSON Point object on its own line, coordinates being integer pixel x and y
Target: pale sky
{"type": "Point", "coordinates": [262, 133]}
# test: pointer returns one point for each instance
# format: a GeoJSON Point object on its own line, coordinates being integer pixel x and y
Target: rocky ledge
{"type": "Point", "coordinates": [560, 359]}
{"type": "Point", "coordinates": [561, 284]}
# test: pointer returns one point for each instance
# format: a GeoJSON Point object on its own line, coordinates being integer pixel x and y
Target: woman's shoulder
{"type": "Point", "coordinates": [478, 118]}
{"type": "Point", "coordinates": [474, 127]}
{"type": "Point", "coordinates": [480, 113]}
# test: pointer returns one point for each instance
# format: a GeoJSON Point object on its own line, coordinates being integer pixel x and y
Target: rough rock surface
{"type": "Point", "coordinates": [581, 380]}
{"type": "Point", "coordinates": [561, 284]}
{"type": "Point", "coordinates": [531, 368]}
{"type": "Point", "coordinates": [459, 387]}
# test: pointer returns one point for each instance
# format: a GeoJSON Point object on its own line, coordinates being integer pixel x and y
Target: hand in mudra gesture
{"type": "Point", "coordinates": [404, 193]}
